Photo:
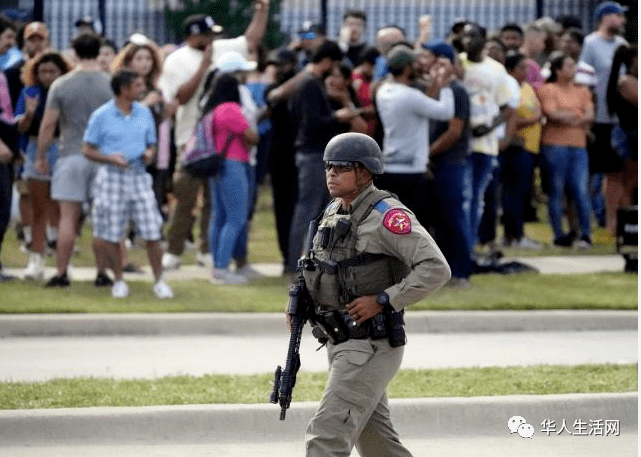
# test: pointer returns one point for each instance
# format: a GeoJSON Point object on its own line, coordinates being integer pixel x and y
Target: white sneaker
{"type": "Point", "coordinates": [190, 245]}
{"type": "Point", "coordinates": [170, 261]}
{"type": "Point", "coordinates": [162, 290]}
{"type": "Point", "coordinates": [204, 260]}
{"type": "Point", "coordinates": [249, 272]}
{"type": "Point", "coordinates": [120, 289]}
{"type": "Point", "coordinates": [527, 243]}
{"type": "Point", "coordinates": [36, 267]}
{"type": "Point", "coordinates": [224, 276]}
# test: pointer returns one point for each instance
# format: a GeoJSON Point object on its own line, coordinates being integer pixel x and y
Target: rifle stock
{"type": "Point", "coordinates": [298, 308]}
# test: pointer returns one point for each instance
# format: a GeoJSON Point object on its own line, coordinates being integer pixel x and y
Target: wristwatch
{"type": "Point", "coordinates": [383, 300]}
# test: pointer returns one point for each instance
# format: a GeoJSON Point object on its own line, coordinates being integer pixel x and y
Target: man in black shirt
{"type": "Point", "coordinates": [314, 124]}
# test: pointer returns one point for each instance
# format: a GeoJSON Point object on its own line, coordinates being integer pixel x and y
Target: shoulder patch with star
{"type": "Point", "coordinates": [397, 221]}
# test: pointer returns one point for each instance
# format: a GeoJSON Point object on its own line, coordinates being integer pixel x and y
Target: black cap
{"type": "Point", "coordinates": [200, 24]}
{"type": "Point", "coordinates": [281, 56]}
{"type": "Point", "coordinates": [86, 20]}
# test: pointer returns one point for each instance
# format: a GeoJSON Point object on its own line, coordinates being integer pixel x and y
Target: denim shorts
{"type": "Point", "coordinates": [29, 171]}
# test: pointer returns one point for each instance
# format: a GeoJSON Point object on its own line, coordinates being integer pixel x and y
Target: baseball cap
{"type": "Point", "coordinates": [606, 8]}
{"type": "Point", "coordinates": [231, 61]}
{"type": "Point", "coordinates": [399, 57]}
{"type": "Point", "coordinates": [85, 20]}
{"type": "Point", "coordinates": [311, 30]}
{"type": "Point", "coordinates": [609, 7]}
{"type": "Point", "coordinates": [281, 56]}
{"type": "Point", "coordinates": [458, 24]}
{"type": "Point", "coordinates": [201, 25]}
{"type": "Point", "coordinates": [440, 49]}
{"type": "Point", "coordinates": [36, 29]}
{"type": "Point", "coordinates": [95, 24]}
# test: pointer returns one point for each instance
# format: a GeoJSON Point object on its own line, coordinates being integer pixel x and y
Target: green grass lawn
{"type": "Point", "coordinates": [183, 390]}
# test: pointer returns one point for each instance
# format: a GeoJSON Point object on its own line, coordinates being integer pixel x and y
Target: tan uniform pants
{"type": "Point", "coordinates": [354, 410]}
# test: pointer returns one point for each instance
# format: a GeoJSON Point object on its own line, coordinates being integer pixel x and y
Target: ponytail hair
{"type": "Point", "coordinates": [622, 56]}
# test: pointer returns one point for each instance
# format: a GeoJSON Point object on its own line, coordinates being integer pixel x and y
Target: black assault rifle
{"type": "Point", "coordinates": [299, 309]}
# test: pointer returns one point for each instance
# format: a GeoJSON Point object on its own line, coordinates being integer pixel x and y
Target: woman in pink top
{"type": "Point", "coordinates": [569, 112]}
{"type": "Point", "coordinates": [229, 189]}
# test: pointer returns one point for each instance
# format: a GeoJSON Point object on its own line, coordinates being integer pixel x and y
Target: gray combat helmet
{"type": "Point", "coordinates": [355, 147]}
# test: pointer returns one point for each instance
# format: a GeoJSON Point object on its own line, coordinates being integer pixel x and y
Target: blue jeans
{"type": "Point", "coordinates": [240, 251]}
{"type": "Point", "coordinates": [567, 166]}
{"type": "Point", "coordinates": [483, 166]}
{"type": "Point", "coordinates": [312, 198]}
{"type": "Point", "coordinates": [453, 181]}
{"type": "Point", "coordinates": [229, 208]}
{"type": "Point", "coordinates": [516, 175]}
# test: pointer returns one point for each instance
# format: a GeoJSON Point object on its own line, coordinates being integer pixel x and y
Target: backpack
{"type": "Point", "coordinates": [201, 159]}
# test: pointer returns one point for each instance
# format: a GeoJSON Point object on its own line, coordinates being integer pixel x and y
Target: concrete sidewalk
{"type": "Point", "coordinates": [414, 418]}
{"type": "Point", "coordinates": [544, 265]}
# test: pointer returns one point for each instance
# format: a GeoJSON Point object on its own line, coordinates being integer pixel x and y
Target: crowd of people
{"type": "Point", "coordinates": [463, 123]}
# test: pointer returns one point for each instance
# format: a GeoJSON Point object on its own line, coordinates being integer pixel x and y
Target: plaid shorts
{"type": "Point", "coordinates": [121, 196]}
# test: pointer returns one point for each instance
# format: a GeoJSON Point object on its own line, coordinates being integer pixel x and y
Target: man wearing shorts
{"type": "Point", "coordinates": [121, 136]}
{"type": "Point", "coordinates": [71, 100]}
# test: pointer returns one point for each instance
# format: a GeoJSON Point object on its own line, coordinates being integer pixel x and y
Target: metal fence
{"type": "Point", "coordinates": [492, 14]}
{"type": "Point", "coordinates": [122, 17]}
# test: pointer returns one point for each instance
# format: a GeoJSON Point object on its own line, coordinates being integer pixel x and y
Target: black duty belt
{"type": "Point", "coordinates": [338, 327]}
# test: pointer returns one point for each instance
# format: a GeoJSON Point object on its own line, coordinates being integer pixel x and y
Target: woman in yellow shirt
{"type": "Point", "coordinates": [517, 160]}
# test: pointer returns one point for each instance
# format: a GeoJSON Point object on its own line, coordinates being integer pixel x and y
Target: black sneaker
{"type": "Point", "coordinates": [59, 281]}
{"type": "Point", "coordinates": [102, 280]}
{"type": "Point", "coordinates": [564, 241]}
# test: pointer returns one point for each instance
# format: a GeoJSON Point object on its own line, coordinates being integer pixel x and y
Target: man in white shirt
{"type": "Point", "coordinates": [181, 83]}
{"type": "Point", "coordinates": [487, 85]}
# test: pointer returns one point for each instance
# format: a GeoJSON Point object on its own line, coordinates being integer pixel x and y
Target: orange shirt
{"type": "Point", "coordinates": [574, 98]}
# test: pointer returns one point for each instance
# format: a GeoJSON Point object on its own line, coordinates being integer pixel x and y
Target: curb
{"type": "Point", "coordinates": [434, 417]}
{"type": "Point", "coordinates": [563, 265]}
{"type": "Point", "coordinates": [33, 325]}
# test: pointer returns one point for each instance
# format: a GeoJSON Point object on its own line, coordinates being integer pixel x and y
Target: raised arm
{"type": "Point", "coordinates": [256, 29]}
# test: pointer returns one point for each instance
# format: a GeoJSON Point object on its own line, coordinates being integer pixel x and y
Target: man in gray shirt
{"type": "Point", "coordinates": [405, 113]}
{"type": "Point", "coordinates": [598, 51]}
{"type": "Point", "coordinates": [71, 100]}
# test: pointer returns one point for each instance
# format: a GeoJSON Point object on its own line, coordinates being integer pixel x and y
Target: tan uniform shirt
{"type": "Point", "coordinates": [398, 233]}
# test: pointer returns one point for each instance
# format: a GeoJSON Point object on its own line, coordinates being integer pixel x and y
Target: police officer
{"type": "Point", "coordinates": [371, 259]}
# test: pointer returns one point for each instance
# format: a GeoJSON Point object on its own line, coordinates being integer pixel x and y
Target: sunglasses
{"type": "Point", "coordinates": [340, 167]}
